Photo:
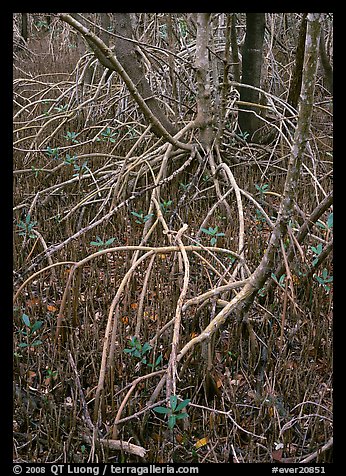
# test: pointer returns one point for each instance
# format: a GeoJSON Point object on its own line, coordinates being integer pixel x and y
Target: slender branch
{"type": "Point", "coordinates": [108, 58]}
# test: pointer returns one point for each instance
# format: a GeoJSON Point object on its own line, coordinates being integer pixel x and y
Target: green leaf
{"type": "Point", "coordinates": [36, 326]}
{"type": "Point", "coordinates": [163, 410]}
{"type": "Point", "coordinates": [182, 405]}
{"type": "Point", "coordinates": [26, 320]}
{"type": "Point", "coordinates": [137, 353]}
{"type": "Point", "coordinates": [330, 221]}
{"type": "Point", "coordinates": [96, 243]}
{"type": "Point", "coordinates": [206, 231]}
{"type": "Point", "coordinates": [109, 242]}
{"type": "Point", "coordinates": [172, 421]}
{"type": "Point", "coordinates": [180, 416]}
{"type": "Point", "coordinates": [35, 343]}
{"type": "Point", "coordinates": [173, 399]}
{"type": "Point", "coordinates": [318, 249]}
{"type": "Point", "coordinates": [138, 215]}
{"type": "Point", "coordinates": [146, 348]}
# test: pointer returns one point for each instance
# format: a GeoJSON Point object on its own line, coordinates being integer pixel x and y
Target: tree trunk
{"type": "Point", "coordinates": [234, 48]}
{"type": "Point", "coordinates": [24, 29]}
{"type": "Point", "coordinates": [296, 81]}
{"type": "Point", "coordinates": [203, 119]}
{"type": "Point", "coordinates": [327, 67]}
{"type": "Point", "coordinates": [130, 59]}
{"type": "Point", "coordinates": [127, 58]}
{"type": "Point", "coordinates": [251, 66]}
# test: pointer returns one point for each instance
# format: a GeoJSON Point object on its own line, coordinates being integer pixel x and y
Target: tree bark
{"type": "Point", "coordinates": [327, 67]}
{"type": "Point", "coordinates": [24, 27]}
{"type": "Point", "coordinates": [235, 50]}
{"type": "Point", "coordinates": [251, 67]}
{"type": "Point", "coordinates": [127, 60]}
{"type": "Point", "coordinates": [203, 119]}
{"type": "Point", "coordinates": [130, 59]}
{"type": "Point", "coordinates": [297, 74]}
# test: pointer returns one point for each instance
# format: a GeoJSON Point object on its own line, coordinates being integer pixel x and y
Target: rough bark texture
{"type": "Point", "coordinates": [327, 67]}
{"type": "Point", "coordinates": [24, 27]}
{"type": "Point", "coordinates": [130, 59]}
{"type": "Point", "coordinates": [203, 119]}
{"type": "Point", "coordinates": [296, 80]}
{"type": "Point", "coordinates": [251, 70]}
{"type": "Point", "coordinates": [235, 50]}
{"type": "Point", "coordinates": [133, 79]}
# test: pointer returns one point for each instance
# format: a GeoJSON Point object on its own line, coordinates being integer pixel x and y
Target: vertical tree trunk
{"type": "Point", "coordinates": [251, 67]}
{"type": "Point", "coordinates": [130, 59]}
{"type": "Point", "coordinates": [296, 80]}
{"type": "Point", "coordinates": [327, 67]}
{"type": "Point", "coordinates": [203, 119]}
{"type": "Point", "coordinates": [24, 29]}
{"type": "Point", "coordinates": [234, 48]}
{"type": "Point", "coordinates": [170, 37]}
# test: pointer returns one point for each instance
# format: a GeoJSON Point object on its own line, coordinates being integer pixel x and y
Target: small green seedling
{"type": "Point", "coordinates": [165, 205]}
{"type": "Point", "coordinates": [317, 250]}
{"type": "Point", "coordinates": [29, 331]}
{"type": "Point", "coordinates": [72, 136]}
{"type": "Point", "coordinates": [244, 135]}
{"type": "Point", "coordinates": [262, 189]}
{"type": "Point", "coordinates": [131, 132]}
{"type": "Point", "coordinates": [324, 279]}
{"type": "Point", "coordinates": [213, 232]}
{"type": "Point", "coordinates": [182, 28]}
{"type": "Point", "coordinates": [102, 244]}
{"type": "Point", "coordinates": [36, 171]}
{"type": "Point", "coordinates": [173, 411]}
{"type": "Point", "coordinates": [80, 169]}
{"type": "Point", "coordinates": [141, 218]}
{"type": "Point", "coordinates": [26, 227]}
{"type": "Point", "coordinates": [157, 362]}
{"type": "Point", "coordinates": [70, 160]}
{"type": "Point", "coordinates": [281, 281]}
{"type": "Point", "coordinates": [184, 186]}
{"type": "Point", "coordinates": [137, 350]}
{"type": "Point", "coordinates": [108, 135]}
{"type": "Point", "coordinates": [53, 153]}
{"type": "Point", "coordinates": [163, 31]}
{"type": "Point", "coordinates": [329, 223]}
{"type": "Point", "coordinates": [61, 108]}
{"type": "Point", "coordinates": [52, 374]}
